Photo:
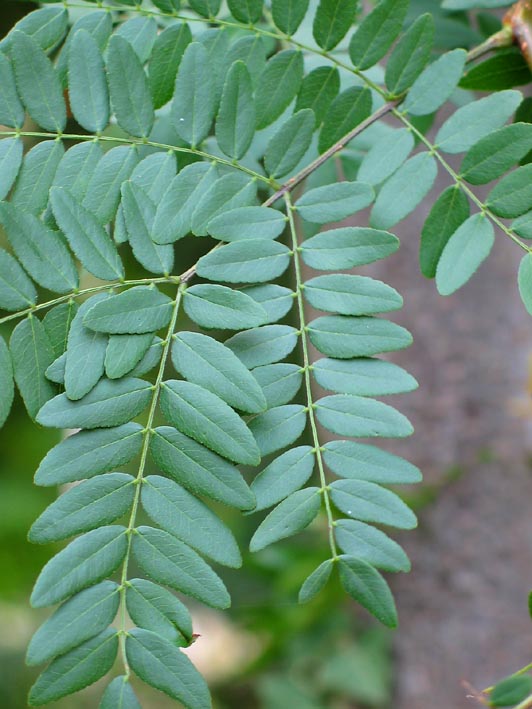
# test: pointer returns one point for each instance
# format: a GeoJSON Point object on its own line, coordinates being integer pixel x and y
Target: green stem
{"type": "Point", "coordinates": [141, 141]}
{"type": "Point", "coordinates": [86, 291]}
{"type": "Point", "coordinates": [148, 432]}
{"type": "Point", "coordinates": [307, 367]}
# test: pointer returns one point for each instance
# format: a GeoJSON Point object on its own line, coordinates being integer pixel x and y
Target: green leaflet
{"type": "Point", "coordinates": [137, 310]}
{"type": "Point", "coordinates": [504, 70]}
{"type": "Point", "coordinates": [36, 176]}
{"type": "Point", "coordinates": [346, 111]}
{"type": "Point", "coordinates": [386, 156]}
{"type": "Point", "coordinates": [346, 337]}
{"type": "Point", "coordinates": [167, 560]}
{"type": "Point", "coordinates": [278, 85]}
{"type": "Point", "coordinates": [286, 474]}
{"type": "Point", "coordinates": [243, 222]}
{"type": "Point", "coordinates": [57, 322]}
{"type": "Point", "coordinates": [404, 190]}
{"type": "Point", "coordinates": [332, 21]}
{"type": "Point", "coordinates": [46, 26]}
{"type": "Point", "coordinates": [87, 83]}
{"type": "Point", "coordinates": [173, 217]}
{"type": "Point", "coordinates": [351, 295]}
{"type": "Point", "coordinates": [289, 517]}
{"type": "Point", "coordinates": [279, 382]}
{"type": "Point", "coordinates": [217, 42]}
{"type": "Point", "coordinates": [469, 4]}
{"type": "Point", "coordinates": [318, 90]}
{"type": "Point", "coordinates": [362, 376]}
{"type": "Point", "coordinates": [252, 51]}
{"type": "Point", "coordinates": [98, 24]}
{"type": "Point", "coordinates": [85, 561]}
{"type": "Point", "coordinates": [332, 203]}
{"type": "Point", "coordinates": [140, 33]}
{"type": "Point", "coordinates": [247, 11]}
{"type": "Point", "coordinates": [86, 506]}
{"type": "Point", "coordinates": [164, 62]}
{"type": "Point", "coordinates": [163, 666]}
{"type": "Point", "coordinates": [371, 545]}
{"type": "Point", "coordinates": [89, 453]}
{"type": "Point", "coordinates": [129, 88]}
{"type": "Point", "coordinates": [278, 428]}
{"type": "Point", "coordinates": [7, 385]}
{"type": "Point", "coordinates": [37, 83]}
{"type": "Point", "coordinates": [88, 239]}
{"type": "Point", "coordinates": [194, 105]}
{"type": "Point", "coordinates": [316, 581]}
{"type": "Point", "coordinates": [206, 8]}
{"type": "Point", "coordinates": [263, 345]}
{"type": "Point", "coordinates": [448, 212]}
{"type": "Point", "coordinates": [150, 360]}
{"type": "Point", "coordinates": [85, 353]}
{"type": "Point", "coordinates": [228, 192]}
{"type": "Point", "coordinates": [376, 33]}
{"type": "Point", "coordinates": [139, 215]}
{"type": "Point", "coordinates": [110, 403]}
{"type": "Point", "coordinates": [365, 585]}
{"type": "Point", "coordinates": [491, 156]}
{"type": "Point", "coordinates": [214, 306]}
{"type": "Point", "coordinates": [119, 692]}
{"type": "Point", "coordinates": [190, 520]}
{"type": "Point", "coordinates": [339, 249]}
{"type": "Point", "coordinates": [276, 300]}
{"type": "Point", "coordinates": [198, 469]}
{"type": "Point", "coordinates": [235, 123]}
{"type": "Point", "coordinates": [410, 55]}
{"type": "Point", "coordinates": [512, 196]}
{"type": "Point", "coordinates": [369, 502]}
{"type": "Point", "coordinates": [77, 669]}
{"type": "Point", "coordinates": [154, 608]}
{"type": "Point", "coordinates": [103, 192]}
{"type": "Point", "coordinates": [467, 248]}
{"type": "Point", "coordinates": [289, 14]}
{"type": "Point", "coordinates": [476, 120]}
{"type": "Point", "coordinates": [77, 167]}
{"type": "Point", "coordinates": [16, 289]}
{"type": "Point", "coordinates": [11, 109]}
{"type": "Point", "coordinates": [289, 144]}
{"type": "Point", "coordinates": [80, 618]}
{"type": "Point", "coordinates": [246, 261]}
{"type": "Point", "coordinates": [32, 354]}
{"type": "Point", "coordinates": [42, 251]}
{"type": "Point", "coordinates": [153, 173]}
{"type": "Point", "coordinates": [359, 417]}
{"type": "Point", "coordinates": [435, 84]}
{"type": "Point", "coordinates": [510, 691]}
{"type": "Point", "coordinates": [10, 161]}
{"type": "Point", "coordinates": [524, 281]}
{"type": "Point", "coordinates": [56, 371]}
{"type": "Point", "coordinates": [359, 461]}
{"type": "Point", "coordinates": [203, 416]}
{"type": "Point", "coordinates": [124, 352]}
{"type": "Point", "coordinates": [204, 361]}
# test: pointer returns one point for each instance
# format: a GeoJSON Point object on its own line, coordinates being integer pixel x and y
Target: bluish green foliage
{"type": "Point", "coordinates": [155, 133]}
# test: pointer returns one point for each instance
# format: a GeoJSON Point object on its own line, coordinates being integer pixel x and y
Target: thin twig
{"type": "Point", "coordinates": [318, 162]}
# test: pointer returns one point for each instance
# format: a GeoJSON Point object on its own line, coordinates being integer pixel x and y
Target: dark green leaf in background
{"type": "Point", "coordinates": [332, 21]}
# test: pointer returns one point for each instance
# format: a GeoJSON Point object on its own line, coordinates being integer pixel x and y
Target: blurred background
{"type": "Point", "coordinates": [463, 608]}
